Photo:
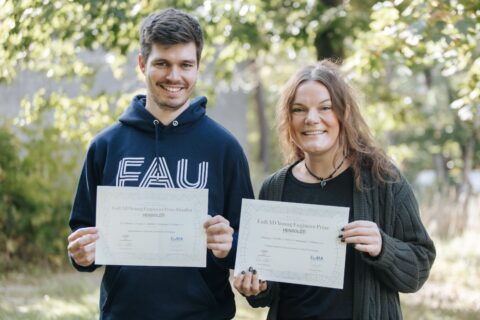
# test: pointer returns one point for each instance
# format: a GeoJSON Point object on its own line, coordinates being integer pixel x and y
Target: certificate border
{"type": "Point", "coordinates": [198, 201]}
{"type": "Point", "coordinates": [253, 209]}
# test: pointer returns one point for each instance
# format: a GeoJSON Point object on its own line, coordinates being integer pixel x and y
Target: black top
{"type": "Point", "coordinates": [309, 302]}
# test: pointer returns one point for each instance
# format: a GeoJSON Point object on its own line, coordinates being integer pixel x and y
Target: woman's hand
{"type": "Point", "coordinates": [364, 235]}
{"type": "Point", "coordinates": [248, 284]}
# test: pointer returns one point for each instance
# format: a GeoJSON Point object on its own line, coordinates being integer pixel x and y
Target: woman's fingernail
{"type": "Point", "coordinates": [243, 272]}
{"type": "Point", "coordinates": [254, 271]}
{"type": "Point", "coordinates": [250, 269]}
{"type": "Point", "coordinates": [340, 235]}
{"type": "Point", "coordinates": [343, 229]}
{"type": "Point", "coordinates": [343, 240]}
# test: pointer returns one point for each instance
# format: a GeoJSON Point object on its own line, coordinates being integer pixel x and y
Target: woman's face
{"type": "Point", "coordinates": [315, 126]}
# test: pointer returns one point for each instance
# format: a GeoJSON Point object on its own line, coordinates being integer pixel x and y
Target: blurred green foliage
{"type": "Point", "coordinates": [416, 62]}
{"type": "Point", "coordinates": [39, 164]}
{"type": "Point", "coordinates": [35, 187]}
{"type": "Point", "coordinates": [419, 66]}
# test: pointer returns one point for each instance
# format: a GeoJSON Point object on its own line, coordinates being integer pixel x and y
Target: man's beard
{"type": "Point", "coordinates": [168, 107]}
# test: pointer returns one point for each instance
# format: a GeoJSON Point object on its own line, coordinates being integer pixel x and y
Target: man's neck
{"type": "Point", "coordinates": [164, 115]}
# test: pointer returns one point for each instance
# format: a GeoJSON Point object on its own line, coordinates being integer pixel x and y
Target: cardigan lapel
{"type": "Point", "coordinates": [361, 211]}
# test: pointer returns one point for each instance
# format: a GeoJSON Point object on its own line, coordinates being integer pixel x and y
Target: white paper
{"type": "Point", "coordinates": [292, 242]}
{"type": "Point", "coordinates": [151, 226]}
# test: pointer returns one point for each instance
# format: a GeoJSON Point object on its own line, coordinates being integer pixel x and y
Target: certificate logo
{"type": "Point", "coordinates": [316, 259]}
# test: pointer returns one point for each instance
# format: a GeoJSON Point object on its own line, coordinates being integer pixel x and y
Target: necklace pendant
{"type": "Point", "coordinates": [323, 183]}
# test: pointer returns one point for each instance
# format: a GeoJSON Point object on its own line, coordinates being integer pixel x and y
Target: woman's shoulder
{"type": "Point", "coordinates": [394, 191]}
{"type": "Point", "coordinates": [272, 186]}
{"type": "Point", "coordinates": [276, 176]}
{"type": "Point", "coordinates": [392, 179]}
{"type": "Point", "coordinates": [389, 172]}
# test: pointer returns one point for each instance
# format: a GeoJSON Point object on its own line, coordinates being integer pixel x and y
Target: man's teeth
{"type": "Point", "coordinates": [172, 89]}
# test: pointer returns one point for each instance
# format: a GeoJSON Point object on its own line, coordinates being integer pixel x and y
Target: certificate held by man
{"type": "Point", "coordinates": [292, 242]}
{"type": "Point", "coordinates": [151, 226]}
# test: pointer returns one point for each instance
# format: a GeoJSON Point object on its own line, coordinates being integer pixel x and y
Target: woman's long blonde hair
{"type": "Point", "coordinates": [354, 137]}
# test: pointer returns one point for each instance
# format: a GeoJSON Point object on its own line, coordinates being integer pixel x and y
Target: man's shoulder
{"type": "Point", "coordinates": [106, 135]}
{"type": "Point", "coordinates": [219, 133]}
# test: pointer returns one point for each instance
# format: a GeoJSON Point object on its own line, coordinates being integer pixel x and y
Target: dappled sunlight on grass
{"type": "Point", "coordinates": [50, 296]}
{"type": "Point", "coordinates": [59, 308]}
{"type": "Point", "coordinates": [453, 289]}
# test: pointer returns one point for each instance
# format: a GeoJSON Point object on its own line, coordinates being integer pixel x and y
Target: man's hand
{"type": "Point", "coordinates": [219, 236]}
{"type": "Point", "coordinates": [364, 235]}
{"type": "Point", "coordinates": [81, 245]}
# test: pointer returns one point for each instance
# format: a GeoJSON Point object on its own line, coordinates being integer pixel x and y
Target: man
{"type": "Point", "coordinates": [164, 139]}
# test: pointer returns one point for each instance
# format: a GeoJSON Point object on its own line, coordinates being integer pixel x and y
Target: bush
{"type": "Point", "coordinates": [37, 179]}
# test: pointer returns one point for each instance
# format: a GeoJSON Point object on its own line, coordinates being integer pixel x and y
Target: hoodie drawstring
{"type": "Point", "coordinates": [157, 158]}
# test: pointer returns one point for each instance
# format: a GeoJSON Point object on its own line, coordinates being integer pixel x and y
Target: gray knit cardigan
{"type": "Point", "coordinates": [407, 251]}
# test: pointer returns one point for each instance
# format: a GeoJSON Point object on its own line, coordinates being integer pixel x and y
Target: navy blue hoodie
{"type": "Point", "coordinates": [191, 152]}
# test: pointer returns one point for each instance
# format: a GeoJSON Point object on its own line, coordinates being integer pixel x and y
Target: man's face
{"type": "Point", "coordinates": [171, 73]}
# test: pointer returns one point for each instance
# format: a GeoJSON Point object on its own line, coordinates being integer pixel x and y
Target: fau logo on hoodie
{"type": "Point", "coordinates": [158, 174]}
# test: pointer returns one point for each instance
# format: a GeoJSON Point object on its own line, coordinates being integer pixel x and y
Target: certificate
{"type": "Point", "coordinates": [151, 226]}
{"type": "Point", "coordinates": [292, 242]}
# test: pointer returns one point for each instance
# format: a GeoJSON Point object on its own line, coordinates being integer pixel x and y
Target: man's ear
{"type": "Point", "coordinates": [141, 63]}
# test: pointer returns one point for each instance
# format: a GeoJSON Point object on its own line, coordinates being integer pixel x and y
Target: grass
{"type": "Point", "coordinates": [65, 295]}
{"type": "Point", "coordinates": [452, 291]}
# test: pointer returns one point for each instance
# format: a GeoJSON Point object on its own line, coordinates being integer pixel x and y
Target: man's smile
{"type": "Point", "coordinates": [172, 89]}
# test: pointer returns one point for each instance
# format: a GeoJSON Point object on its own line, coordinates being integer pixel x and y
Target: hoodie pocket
{"type": "Point", "coordinates": [156, 290]}
{"type": "Point", "coordinates": [199, 288]}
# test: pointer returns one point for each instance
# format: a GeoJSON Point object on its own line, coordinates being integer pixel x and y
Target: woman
{"type": "Point", "coordinates": [333, 160]}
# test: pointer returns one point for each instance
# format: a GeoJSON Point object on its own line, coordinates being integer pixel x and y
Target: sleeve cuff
{"type": "Point", "coordinates": [386, 257]}
{"type": "Point", "coordinates": [262, 299]}
{"type": "Point", "coordinates": [80, 268]}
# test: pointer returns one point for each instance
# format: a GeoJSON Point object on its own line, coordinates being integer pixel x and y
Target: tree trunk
{"type": "Point", "coordinates": [329, 42]}
{"type": "Point", "coordinates": [264, 145]}
{"type": "Point", "coordinates": [465, 190]}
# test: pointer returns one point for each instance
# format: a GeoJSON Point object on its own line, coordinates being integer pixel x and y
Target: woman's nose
{"type": "Point", "coordinates": [312, 116]}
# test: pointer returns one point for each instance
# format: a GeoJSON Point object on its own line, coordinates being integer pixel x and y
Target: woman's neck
{"type": "Point", "coordinates": [323, 166]}
{"type": "Point", "coordinates": [317, 168]}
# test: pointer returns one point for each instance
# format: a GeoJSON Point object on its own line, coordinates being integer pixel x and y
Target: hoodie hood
{"type": "Point", "coordinates": [138, 117]}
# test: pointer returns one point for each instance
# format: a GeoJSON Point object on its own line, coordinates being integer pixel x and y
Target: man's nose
{"type": "Point", "coordinates": [173, 74]}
